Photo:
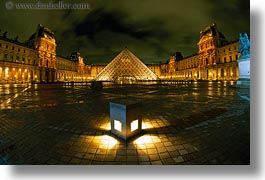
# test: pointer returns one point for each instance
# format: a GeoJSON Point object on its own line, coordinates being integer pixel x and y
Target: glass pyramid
{"type": "Point", "coordinates": [126, 67]}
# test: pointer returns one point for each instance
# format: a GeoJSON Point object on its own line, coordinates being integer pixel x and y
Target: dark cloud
{"type": "Point", "coordinates": [152, 29]}
{"type": "Point", "coordinates": [231, 15]}
{"type": "Point", "coordinates": [99, 20]}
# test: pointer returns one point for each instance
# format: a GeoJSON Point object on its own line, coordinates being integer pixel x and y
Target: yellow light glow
{"type": "Point", "coordinates": [146, 139]}
{"type": "Point", "coordinates": [105, 126]}
{"type": "Point", "coordinates": [134, 125]}
{"type": "Point", "coordinates": [146, 125]}
{"type": "Point", "coordinates": [104, 141]}
{"type": "Point", "coordinates": [6, 70]}
{"type": "Point", "coordinates": [109, 141]}
{"type": "Point", "coordinates": [117, 125]}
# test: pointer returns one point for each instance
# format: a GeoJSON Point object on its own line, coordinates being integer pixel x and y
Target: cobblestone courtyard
{"type": "Point", "coordinates": [183, 123]}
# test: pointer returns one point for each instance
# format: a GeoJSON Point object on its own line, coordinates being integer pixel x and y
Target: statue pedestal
{"type": "Point", "coordinates": [244, 71]}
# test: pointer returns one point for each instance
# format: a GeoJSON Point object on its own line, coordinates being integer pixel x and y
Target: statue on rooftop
{"type": "Point", "coordinates": [244, 45]}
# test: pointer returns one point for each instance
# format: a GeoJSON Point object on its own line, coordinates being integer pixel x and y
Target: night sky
{"type": "Point", "coordinates": [152, 29]}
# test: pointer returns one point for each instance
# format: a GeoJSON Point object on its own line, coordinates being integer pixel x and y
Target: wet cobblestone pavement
{"type": "Point", "coordinates": [183, 123]}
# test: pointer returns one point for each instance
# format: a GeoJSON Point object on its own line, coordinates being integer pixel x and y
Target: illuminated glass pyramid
{"type": "Point", "coordinates": [126, 67]}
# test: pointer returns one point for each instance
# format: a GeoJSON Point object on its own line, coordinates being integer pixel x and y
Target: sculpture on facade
{"type": "Point", "coordinates": [244, 45]}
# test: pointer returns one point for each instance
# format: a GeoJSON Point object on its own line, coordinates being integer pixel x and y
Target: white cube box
{"type": "Point", "coordinates": [125, 119]}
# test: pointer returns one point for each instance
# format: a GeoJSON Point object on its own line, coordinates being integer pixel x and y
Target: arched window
{"type": "Point", "coordinates": [207, 61]}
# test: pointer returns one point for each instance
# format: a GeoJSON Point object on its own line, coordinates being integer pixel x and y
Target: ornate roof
{"type": "Point", "coordinates": [212, 31]}
{"type": "Point", "coordinates": [42, 32]}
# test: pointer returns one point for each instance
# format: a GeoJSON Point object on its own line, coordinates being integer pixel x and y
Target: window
{"type": "Point", "coordinates": [5, 56]}
{"type": "Point", "coordinates": [134, 125]}
{"type": "Point", "coordinates": [117, 125]}
{"type": "Point", "coordinates": [13, 48]}
{"type": "Point", "coordinates": [18, 49]}
{"type": "Point", "coordinates": [236, 57]}
{"type": "Point", "coordinates": [224, 59]}
{"type": "Point", "coordinates": [6, 72]}
{"type": "Point", "coordinates": [6, 46]}
{"type": "Point", "coordinates": [230, 57]}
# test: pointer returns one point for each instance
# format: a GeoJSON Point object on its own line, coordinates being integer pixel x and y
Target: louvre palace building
{"type": "Point", "coordinates": [36, 60]}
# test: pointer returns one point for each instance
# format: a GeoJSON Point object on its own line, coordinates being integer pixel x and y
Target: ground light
{"type": "Point", "coordinates": [125, 119]}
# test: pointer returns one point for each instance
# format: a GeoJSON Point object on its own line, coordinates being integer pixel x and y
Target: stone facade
{"type": "Point", "coordinates": [216, 60]}
{"type": "Point", "coordinates": [36, 60]}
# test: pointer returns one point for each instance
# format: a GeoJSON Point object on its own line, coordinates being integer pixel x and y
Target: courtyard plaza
{"type": "Point", "coordinates": [183, 123]}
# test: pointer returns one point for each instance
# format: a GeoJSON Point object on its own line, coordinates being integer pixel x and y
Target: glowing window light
{"type": "Point", "coordinates": [134, 125]}
{"type": "Point", "coordinates": [125, 119]}
{"type": "Point", "coordinates": [117, 125]}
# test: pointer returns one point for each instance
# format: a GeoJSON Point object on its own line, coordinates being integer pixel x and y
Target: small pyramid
{"type": "Point", "coordinates": [126, 66]}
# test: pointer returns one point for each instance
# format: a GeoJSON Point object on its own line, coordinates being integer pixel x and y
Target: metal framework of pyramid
{"type": "Point", "coordinates": [126, 66]}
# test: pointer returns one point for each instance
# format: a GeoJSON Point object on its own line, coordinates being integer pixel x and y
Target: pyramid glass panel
{"type": "Point", "coordinates": [126, 67]}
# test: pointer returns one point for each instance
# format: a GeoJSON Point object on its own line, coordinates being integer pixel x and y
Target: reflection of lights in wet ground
{"type": "Point", "coordinates": [6, 103]}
